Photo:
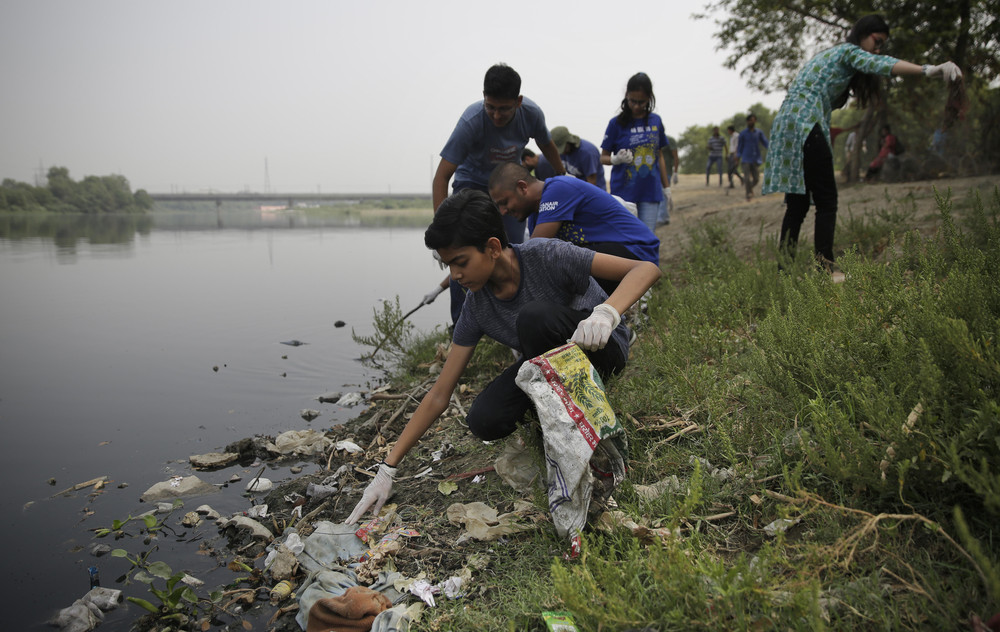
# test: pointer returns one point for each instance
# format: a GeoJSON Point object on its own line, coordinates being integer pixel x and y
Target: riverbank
{"type": "Point", "coordinates": [803, 454]}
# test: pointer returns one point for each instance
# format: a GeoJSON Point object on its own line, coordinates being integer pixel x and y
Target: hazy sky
{"type": "Point", "coordinates": [332, 96]}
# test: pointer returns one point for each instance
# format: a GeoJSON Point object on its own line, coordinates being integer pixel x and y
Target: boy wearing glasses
{"type": "Point", "coordinates": [490, 132]}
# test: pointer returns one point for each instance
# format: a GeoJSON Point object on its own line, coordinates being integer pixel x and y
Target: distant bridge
{"type": "Point", "coordinates": [287, 198]}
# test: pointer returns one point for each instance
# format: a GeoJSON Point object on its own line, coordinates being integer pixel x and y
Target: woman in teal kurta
{"type": "Point", "coordinates": [800, 158]}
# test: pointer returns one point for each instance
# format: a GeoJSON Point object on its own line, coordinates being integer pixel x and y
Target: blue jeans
{"type": "Point", "coordinates": [647, 212]}
{"type": "Point", "coordinates": [662, 212]}
{"type": "Point", "coordinates": [708, 169]}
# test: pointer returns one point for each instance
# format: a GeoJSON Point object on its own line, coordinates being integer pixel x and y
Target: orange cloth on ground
{"type": "Point", "coordinates": [354, 611]}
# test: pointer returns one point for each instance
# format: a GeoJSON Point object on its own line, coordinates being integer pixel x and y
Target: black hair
{"type": "Point", "coordinates": [638, 81]}
{"type": "Point", "coordinates": [730, 129]}
{"type": "Point", "coordinates": [526, 153]}
{"type": "Point", "coordinates": [466, 218]}
{"type": "Point", "coordinates": [864, 87]}
{"type": "Point", "coordinates": [506, 174]}
{"type": "Point", "coordinates": [502, 82]}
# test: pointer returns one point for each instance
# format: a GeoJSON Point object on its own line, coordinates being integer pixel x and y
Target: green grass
{"type": "Point", "coordinates": [865, 412]}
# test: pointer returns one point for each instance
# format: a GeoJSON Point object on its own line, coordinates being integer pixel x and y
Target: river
{"type": "Point", "coordinates": [127, 345]}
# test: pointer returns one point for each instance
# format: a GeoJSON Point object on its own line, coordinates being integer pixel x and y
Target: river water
{"type": "Point", "coordinates": [127, 345]}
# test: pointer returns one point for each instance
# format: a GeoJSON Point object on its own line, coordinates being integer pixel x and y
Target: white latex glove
{"type": "Point", "coordinates": [621, 157]}
{"type": "Point", "coordinates": [430, 296]}
{"type": "Point", "coordinates": [948, 71]}
{"type": "Point", "coordinates": [675, 177]}
{"type": "Point", "coordinates": [669, 198]}
{"type": "Point", "coordinates": [376, 493]}
{"type": "Point", "coordinates": [593, 331]}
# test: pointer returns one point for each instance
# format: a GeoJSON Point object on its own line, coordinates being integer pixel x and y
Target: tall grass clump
{"type": "Point", "coordinates": [839, 465]}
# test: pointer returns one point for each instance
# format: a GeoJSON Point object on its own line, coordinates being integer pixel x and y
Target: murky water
{"type": "Point", "coordinates": [110, 334]}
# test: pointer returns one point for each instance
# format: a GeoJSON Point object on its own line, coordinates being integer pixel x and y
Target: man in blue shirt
{"type": "Point", "coordinates": [581, 158]}
{"type": "Point", "coordinates": [748, 150]}
{"type": "Point", "coordinates": [566, 208]}
{"type": "Point", "coordinates": [490, 132]}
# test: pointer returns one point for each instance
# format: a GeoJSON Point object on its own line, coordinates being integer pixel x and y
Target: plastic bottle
{"type": "Point", "coordinates": [281, 591]}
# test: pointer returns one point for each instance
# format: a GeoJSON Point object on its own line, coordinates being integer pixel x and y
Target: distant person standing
{"type": "Point", "coordinates": [632, 144]}
{"type": "Point", "coordinates": [581, 158]}
{"type": "Point", "coordinates": [734, 161]}
{"type": "Point", "coordinates": [748, 149]}
{"type": "Point", "coordinates": [886, 148]}
{"type": "Point", "coordinates": [490, 132]}
{"type": "Point", "coordinates": [801, 163]}
{"type": "Point", "coordinates": [716, 149]}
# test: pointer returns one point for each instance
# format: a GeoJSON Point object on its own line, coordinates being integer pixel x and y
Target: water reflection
{"type": "Point", "coordinates": [68, 230]}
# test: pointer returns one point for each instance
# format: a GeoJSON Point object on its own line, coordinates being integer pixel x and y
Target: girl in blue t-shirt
{"type": "Point", "coordinates": [632, 145]}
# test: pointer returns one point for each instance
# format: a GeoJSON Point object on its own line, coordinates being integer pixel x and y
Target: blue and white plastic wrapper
{"type": "Point", "coordinates": [578, 427]}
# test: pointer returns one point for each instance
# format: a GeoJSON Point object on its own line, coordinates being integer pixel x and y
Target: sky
{"type": "Point", "coordinates": [325, 96]}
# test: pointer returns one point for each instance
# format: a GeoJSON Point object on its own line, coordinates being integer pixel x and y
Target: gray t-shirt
{"type": "Point", "coordinates": [551, 270]}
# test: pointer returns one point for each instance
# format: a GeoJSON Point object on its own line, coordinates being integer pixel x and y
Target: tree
{"type": "Point", "coordinates": [768, 41]}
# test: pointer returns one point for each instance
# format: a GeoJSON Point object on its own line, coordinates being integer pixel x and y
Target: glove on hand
{"type": "Point", "coordinates": [593, 332]}
{"type": "Point", "coordinates": [621, 157]}
{"type": "Point", "coordinates": [430, 296]}
{"type": "Point", "coordinates": [669, 198]}
{"type": "Point", "coordinates": [948, 71]}
{"type": "Point", "coordinates": [376, 493]}
{"type": "Point", "coordinates": [675, 177]}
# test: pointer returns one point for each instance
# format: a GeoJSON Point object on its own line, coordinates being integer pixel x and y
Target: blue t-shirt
{"type": "Point", "coordinates": [551, 270]}
{"type": "Point", "coordinates": [477, 145]}
{"type": "Point", "coordinates": [639, 181]}
{"type": "Point", "coordinates": [544, 170]}
{"type": "Point", "coordinates": [748, 145]}
{"type": "Point", "coordinates": [590, 215]}
{"type": "Point", "coordinates": [585, 161]}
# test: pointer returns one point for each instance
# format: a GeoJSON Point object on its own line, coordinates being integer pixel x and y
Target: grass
{"type": "Point", "coordinates": [864, 414]}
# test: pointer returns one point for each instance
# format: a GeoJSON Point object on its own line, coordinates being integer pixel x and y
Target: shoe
{"type": "Point", "coordinates": [632, 338]}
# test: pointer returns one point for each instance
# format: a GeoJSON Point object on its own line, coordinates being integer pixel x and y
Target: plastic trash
{"type": "Point", "coordinates": [581, 435]}
{"type": "Point", "coordinates": [257, 511]}
{"type": "Point", "coordinates": [559, 622]}
{"type": "Point", "coordinates": [281, 591]}
{"type": "Point", "coordinates": [260, 485]}
{"type": "Point", "coordinates": [425, 591]}
{"type": "Point", "coordinates": [87, 612]}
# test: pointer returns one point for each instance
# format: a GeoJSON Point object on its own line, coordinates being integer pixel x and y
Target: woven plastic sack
{"type": "Point", "coordinates": [581, 435]}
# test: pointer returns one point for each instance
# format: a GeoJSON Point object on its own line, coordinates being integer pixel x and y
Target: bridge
{"type": "Point", "coordinates": [289, 199]}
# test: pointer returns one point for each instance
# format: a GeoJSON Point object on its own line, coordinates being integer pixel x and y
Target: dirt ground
{"type": "Point", "coordinates": [752, 222]}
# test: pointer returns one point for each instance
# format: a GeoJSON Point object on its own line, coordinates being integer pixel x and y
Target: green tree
{"type": "Point", "coordinates": [768, 41]}
{"type": "Point", "coordinates": [94, 194]}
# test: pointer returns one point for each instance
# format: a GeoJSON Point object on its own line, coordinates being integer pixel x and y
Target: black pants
{"type": "Point", "coordinates": [821, 185]}
{"type": "Point", "coordinates": [541, 326]}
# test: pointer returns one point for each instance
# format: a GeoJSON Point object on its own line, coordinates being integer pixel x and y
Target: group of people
{"type": "Point", "coordinates": [589, 259]}
{"type": "Point", "coordinates": [742, 150]}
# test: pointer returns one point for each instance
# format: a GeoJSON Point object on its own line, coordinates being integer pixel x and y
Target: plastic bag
{"type": "Point", "coordinates": [581, 435]}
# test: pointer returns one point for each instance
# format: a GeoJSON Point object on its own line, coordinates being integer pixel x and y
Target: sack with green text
{"type": "Point", "coordinates": [585, 445]}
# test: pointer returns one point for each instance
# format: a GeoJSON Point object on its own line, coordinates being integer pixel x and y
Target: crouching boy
{"type": "Point", "coordinates": [531, 297]}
